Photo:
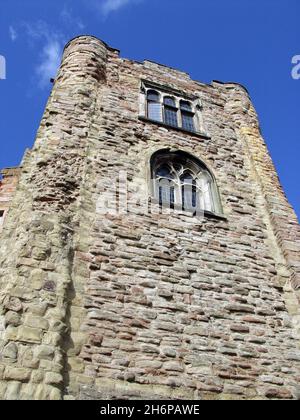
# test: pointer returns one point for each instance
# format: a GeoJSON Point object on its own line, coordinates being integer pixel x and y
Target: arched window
{"type": "Point", "coordinates": [187, 116]}
{"type": "Point", "coordinates": [181, 180]}
{"type": "Point", "coordinates": [170, 111]}
{"type": "Point", "coordinates": [154, 106]}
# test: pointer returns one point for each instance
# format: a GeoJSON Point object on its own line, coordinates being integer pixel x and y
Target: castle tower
{"type": "Point", "coordinates": [149, 250]}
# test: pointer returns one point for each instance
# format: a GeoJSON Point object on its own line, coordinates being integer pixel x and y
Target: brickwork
{"type": "Point", "coordinates": [140, 305]}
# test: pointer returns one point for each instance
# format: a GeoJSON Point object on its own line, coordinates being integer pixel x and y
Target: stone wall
{"type": "Point", "coordinates": [8, 186]}
{"type": "Point", "coordinates": [138, 305]}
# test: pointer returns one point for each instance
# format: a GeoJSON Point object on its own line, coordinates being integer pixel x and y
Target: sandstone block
{"type": "Point", "coordinates": [29, 335]}
{"type": "Point", "coordinates": [53, 378]}
{"type": "Point", "coordinates": [38, 322]}
{"type": "Point", "coordinates": [17, 374]}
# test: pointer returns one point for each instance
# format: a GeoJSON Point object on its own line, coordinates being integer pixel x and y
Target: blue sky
{"type": "Point", "coordinates": [247, 41]}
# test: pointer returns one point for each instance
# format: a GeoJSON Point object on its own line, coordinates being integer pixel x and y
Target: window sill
{"type": "Point", "coordinates": [211, 215]}
{"type": "Point", "coordinates": [206, 213]}
{"type": "Point", "coordinates": [182, 130]}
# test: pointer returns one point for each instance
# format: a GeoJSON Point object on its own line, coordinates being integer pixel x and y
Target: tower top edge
{"type": "Point", "coordinates": [116, 50]}
{"type": "Point", "coordinates": [92, 37]}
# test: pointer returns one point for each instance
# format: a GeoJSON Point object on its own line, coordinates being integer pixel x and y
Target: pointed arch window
{"type": "Point", "coordinates": [154, 106]}
{"type": "Point", "coordinates": [185, 182]}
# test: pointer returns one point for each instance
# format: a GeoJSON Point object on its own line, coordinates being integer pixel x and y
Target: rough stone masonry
{"type": "Point", "coordinates": [136, 305]}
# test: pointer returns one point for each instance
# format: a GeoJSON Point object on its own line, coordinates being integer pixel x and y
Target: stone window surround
{"type": "Point", "coordinates": [218, 214]}
{"type": "Point", "coordinates": [179, 96]}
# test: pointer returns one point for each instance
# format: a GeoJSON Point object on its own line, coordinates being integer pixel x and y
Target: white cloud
{"type": "Point", "coordinates": [50, 42]}
{"type": "Point", "coordinates": [39, 30]}
{"type": "Point", "coordinates": [113, 5]}
{"type": "Point", "coordinates": [109, 6]}
{"type": "Point", "coordinates": [50, 61]}
{"type": "Point", "coordinates": [41, 35]}
{"type": "Point", "coordinates": [69, 19]}
{"type": "Point", "coordinates": [13, 33]}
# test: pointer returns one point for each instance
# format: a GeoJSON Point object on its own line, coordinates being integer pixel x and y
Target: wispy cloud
{"type": "Point", "coordinates": [106, 7]}
{"type": "Point", "coordinates": [49, 62]}
{"type": "Point", "coordinates": [67, 17]}
{"type": "Point", "coordinates": [51, 41]}
{"type": "Point", "coordinates": [113, 5]}
{"type": "Point", "coordinates": [13, 33]}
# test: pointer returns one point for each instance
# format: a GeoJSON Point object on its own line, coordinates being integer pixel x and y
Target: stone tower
{"type": "Point", "coordinates": [125, 296]}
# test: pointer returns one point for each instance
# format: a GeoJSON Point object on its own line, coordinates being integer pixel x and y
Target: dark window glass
{"type": "Point", "coordinates": [152, 95]}
{"type": "Point", "coordinates": [187, 177]}
{"type": "Point", "coordinates": [170, 101]}
{"type": "Point", "coordinates": [171, 116]}
{"type": "Point", "coordinates": [185, 106]}
{"type": "Point", "coordinates": [164, 172]}
{"type": "Point", "coordinates": [187, 116]}
{"type": "Point", "coordinates": [188, 121]}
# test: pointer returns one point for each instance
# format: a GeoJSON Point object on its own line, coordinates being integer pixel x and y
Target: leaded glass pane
{"type": "Point", "coordinates": [186, 106]}
{"type": "Point", "coordinates": [171, 117]}
{"type": "Point", "coordinates": [189, 196]}
{"type": "Point", "coordinates": [170, 101]}
{"type": "Point", "coordinates": [188, 121]}
{"type": "Point", "coordinates": [152, 95]}
{"type": "Point", "coordinates": [166, 194]}
{"type": "Point", "coordinates": [164, 172]}
{"type": "Point", "coordinates": [207, 196]}
{"type": "Point", "coordinates": [187, 177]}
{"type": "Point", "coordinates": [154, 111]}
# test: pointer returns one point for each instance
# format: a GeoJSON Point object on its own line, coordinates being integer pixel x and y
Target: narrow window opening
{"type": "Point", "coordinates": [170, 111]}
{"type": "Point", "coordinates": [187, 116]}
{"type": "Point", "coordinates": [189, 191]}
{"type": "Point", "coordinates": [154, 106]}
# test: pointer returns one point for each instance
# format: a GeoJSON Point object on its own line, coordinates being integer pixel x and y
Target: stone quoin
{"type": "Point", "coordinates": [147, 305]}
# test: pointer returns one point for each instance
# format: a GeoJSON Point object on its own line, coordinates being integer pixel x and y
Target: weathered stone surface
{"type": "Point", "coordinates": [53, 378]}
{"type": "Point", "coordinates": [17, 374]}
{"type": "Point", "coordinates": [45, 352]}
{"type": "Point", "coordinates": [133, 304]}
{"type": "Point", "coordinates": [12, 318]}
{"type": "Point", "coordinates": [29, 335]}
{"type": "Point", "coordinates": [10, 352]}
